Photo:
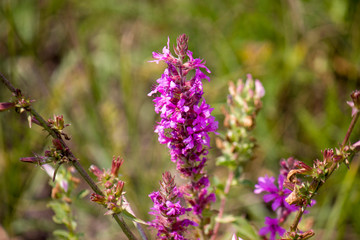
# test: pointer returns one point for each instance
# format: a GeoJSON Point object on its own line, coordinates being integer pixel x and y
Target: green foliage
{"type": "Point", "coordinates": [62, 196]}
{"type": "Point", "coordinates": [245, 230]}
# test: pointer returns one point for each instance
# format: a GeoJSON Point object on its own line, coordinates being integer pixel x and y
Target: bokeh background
{"type": "Point", "coordinates": [88, 60]}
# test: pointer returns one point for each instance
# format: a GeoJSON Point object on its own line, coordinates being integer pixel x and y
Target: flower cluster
{"type": "Point", "coordinates": [244, 102]}
{"type": "Point", "coordinates": [168, 210]}
{"type": "Point", "coordinates": [113, 199]}
{"type": "Point", "coordinates": [276, 195]}
{"type": "Point", "coordinates": [186, 120]}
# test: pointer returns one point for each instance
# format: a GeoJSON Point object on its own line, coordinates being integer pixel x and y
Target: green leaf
{"type": "Point", "coordinates": [226, 219]}
{"type": "Point", "coordinates": [61, 234]}
{"type": "Point", "coordinates": [83, 193]}
{"type": "Point", "coordinates": [245, 230]}
{"type": "Point", "coordinates": [128, 215]}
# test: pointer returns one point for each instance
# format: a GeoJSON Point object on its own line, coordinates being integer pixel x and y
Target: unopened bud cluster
{"type": "Point", "coordinates": [112, 187]}
{"type": "Point", "coordinates": [58, 125]}
{"type": "Point", "coordinates": [244, 102]}
{"type": "Point", "coordinates": [56, 154]}
{"type": "Point", "coordinates": [21, 104]}
{"type": "Point", "coordinates": [304, 180]}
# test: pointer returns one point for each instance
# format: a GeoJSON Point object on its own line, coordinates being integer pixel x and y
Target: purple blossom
{"type": "Point", "coordinates": [186, 120]}
{"type": "Point", "coordinates": [276, 194]}
{"type": "Point", "coordinates": [168, 211]}
{"type": "Point", "coordinates": [272, 227]}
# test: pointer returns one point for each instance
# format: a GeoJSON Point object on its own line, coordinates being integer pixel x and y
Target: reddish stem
{"type": "Point", "coordinates": [222, 204]}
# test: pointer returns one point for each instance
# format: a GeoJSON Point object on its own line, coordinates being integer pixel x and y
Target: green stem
{"type": "Point", "coordinates": [86, 177]}
{"type": "Point", "coordinates": [299, 214]}
{"type": "Point", "coordinates": [119, 219]}
{"type": "Point", "coordinates": [137, 225]}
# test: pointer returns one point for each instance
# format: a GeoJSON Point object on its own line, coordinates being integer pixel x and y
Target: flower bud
{"type": "Point", "coordinates": [6, 106]}
{"type": "Point", "coordinates": [96, 171]}
{"type": "Point", "coordinates": [119, 188]}
{"type": "Point", "coordinates": [30, 159]}
{"type": "Point", "coordinates": [97, 198]}
{"type": "Point", "coordinates": [356, 98]}
{"type": "Point", "coordinates": [108, 184]}
{"type": "Point", "coordinates": [111, 198]}
{"type": "Point", "coordinates": [355, 104]}
{"type": "Point", "coordinates": [328, 154]}
{"type": "Point", "coordinates": [57, 144]}
{"type": "Point", "coordinates": [115, 166]}
{"type": "Point", "coordinates": [182, 46]}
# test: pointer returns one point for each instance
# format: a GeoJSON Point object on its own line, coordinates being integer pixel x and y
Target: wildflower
{"type": "Point", "coordinates": [272, 227]}
{"type": "Point", "coordinates": [186, 119]}
{"type": "Point", "coordinates": [276, 194]}
{"type": "Point", "coordinates": [168, 211]}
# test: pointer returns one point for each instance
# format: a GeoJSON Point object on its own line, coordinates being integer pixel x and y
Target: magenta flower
{"type": "Point", "coordinates": [276, 194]}
{"type": "Point", "coordinates": [186, 120]}
{"type": "Point", "coordinates": [272, 227]}
{"type": "Point", "coordinates": [168, 211]}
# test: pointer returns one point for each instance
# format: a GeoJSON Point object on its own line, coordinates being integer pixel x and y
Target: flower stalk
{"type": "Point", "coordinates": [244, 103]}
{"type": "Point", "coordinates": [185, 124]}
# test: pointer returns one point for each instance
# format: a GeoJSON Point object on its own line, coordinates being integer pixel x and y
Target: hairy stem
{"type": "Point", "coordinates": [119, 219]}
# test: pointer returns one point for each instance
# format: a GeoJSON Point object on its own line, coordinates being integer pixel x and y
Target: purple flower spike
{"type": "Point", "coordinates": [272, 227]}
{"type": "Point", "coordinates": [186, 120]}
{"type": "Point", "coordinates": [168, 211]}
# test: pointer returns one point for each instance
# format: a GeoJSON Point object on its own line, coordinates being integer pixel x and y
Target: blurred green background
{"type": "Point", "coordinates": [88, 60]}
